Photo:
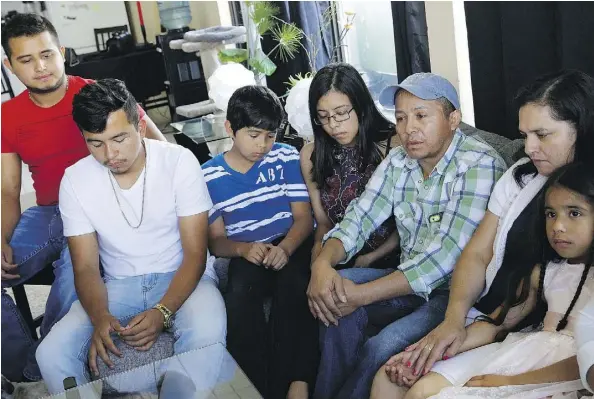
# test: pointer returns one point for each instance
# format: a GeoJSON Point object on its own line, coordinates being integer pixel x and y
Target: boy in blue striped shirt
{"type": "Point", "coordinates": [262, 220]}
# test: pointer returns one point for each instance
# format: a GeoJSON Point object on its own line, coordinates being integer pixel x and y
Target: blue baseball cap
{"type": "Point", "coordinates": [426, 86]}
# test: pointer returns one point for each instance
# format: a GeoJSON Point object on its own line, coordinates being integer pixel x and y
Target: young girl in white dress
{"type": "Point", "coordinates": [525, 365]}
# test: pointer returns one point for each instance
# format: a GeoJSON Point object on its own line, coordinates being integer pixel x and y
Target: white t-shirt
{"type": "Point", "coordinates": [175, 188]}
{"type": "Point", "coordinates": [506, 190]}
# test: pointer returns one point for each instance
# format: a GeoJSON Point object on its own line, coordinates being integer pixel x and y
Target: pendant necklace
{"type": "Point", "coordinates": [111, 179]}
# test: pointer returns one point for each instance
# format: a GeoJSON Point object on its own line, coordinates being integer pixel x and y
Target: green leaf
{"type": "Point", "coordinates": [264, 26]}
{"type": "Point", "coordinates": [262, 13]}
{"type": "Point", "coordinates": [262, 64]}
{"type": "Point", "coordinates": [233, 55]}
{"type": "Point", "coordinates": [289, 38]}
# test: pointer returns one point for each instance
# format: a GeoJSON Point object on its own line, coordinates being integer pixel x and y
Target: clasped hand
{"type": "Point", "coordinates": [141, 333]}
{"type": "Point", "coordinates": [399, 370]}
{"type": "Point", "coordinates": [268, 255]}
{"type": "Point", "coordinates": [331, 296]}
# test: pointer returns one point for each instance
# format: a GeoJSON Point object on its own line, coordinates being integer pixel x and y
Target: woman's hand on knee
{"type": "Point", "coordinates": [440, 344]}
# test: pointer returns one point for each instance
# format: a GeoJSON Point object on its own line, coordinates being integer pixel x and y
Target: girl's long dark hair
{"type": "Point", "coordinates": [523, 250]}
{"type": "Point", "coordinates": [570, 96]}
{"type": "Point", "coordinates": [373, 127]}
{"type": "Point", "coordinates": [579, 178]}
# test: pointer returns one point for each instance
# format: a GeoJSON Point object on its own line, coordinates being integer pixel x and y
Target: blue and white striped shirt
{"type": "Point", "coordinates": [256, 206]}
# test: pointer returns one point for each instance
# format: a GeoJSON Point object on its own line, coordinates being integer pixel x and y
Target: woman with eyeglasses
{"type": "Point", "coordinates": [351, 138]}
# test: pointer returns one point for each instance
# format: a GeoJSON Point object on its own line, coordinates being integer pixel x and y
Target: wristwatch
{"type": "Point", "coordinates": [167, 315]}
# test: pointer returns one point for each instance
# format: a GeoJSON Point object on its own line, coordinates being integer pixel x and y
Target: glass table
{"type": "Point", "coordinates": [206, 373]}
{"type": "Point", "coordinates": [204, 129]}
{"type": "Point", "coordinates": [205, 136]}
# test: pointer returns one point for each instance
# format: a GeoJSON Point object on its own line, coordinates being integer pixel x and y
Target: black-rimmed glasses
{"type": "Point", "coordinates": [340, 116]}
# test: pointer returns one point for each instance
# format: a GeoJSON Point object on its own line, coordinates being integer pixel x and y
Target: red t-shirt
{"type": "Point", "coordinates": [46, 139]}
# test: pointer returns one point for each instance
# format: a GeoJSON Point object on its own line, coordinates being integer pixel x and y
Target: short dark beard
{"type": "Point", "coordinates": [48, 90]}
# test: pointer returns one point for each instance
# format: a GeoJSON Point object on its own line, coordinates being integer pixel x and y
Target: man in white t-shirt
{"type": "Point", "coordinates": [138, 210]}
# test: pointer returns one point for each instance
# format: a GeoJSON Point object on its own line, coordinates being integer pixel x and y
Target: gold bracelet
{"type": "Point", "coordinates": [167, 315]}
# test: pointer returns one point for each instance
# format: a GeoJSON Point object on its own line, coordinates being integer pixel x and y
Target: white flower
{"type": "Point", "coordinates": [225, 80]}
{"type": "Point", "coordinates": [297, 108]}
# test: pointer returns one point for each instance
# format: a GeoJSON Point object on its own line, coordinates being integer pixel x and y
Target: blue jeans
{"type": "Point", "coordinates": [36, 242]}
{"type": "Point", "coordinates": [199, 322]}
{"type": "Point", "coordinates": [351, 355]}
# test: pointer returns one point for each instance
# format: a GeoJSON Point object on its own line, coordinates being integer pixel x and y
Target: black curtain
{"type": "Point", "coordinates": [512, 43]}
{"type": "Point", "coordinates": [306, 15]}
{"type": "Point", "coordinates": [410, 38]}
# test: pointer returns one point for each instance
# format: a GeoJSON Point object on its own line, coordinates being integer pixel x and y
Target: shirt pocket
{"type": "Point", "coordinates": [435, 213]}
{"type": "Point", "coordinates": [408, 222]}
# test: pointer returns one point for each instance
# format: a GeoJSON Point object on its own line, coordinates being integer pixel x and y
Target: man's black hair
{"type": "Point", "coordinates": [93, 104]}
{"type": "Point", "coordinates": [26, 25]}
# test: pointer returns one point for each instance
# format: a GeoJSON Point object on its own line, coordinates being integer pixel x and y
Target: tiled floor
{"type": "Point", "coordinates": [37, 296]}
{"type": "Point", "coordinates": [239, 388]}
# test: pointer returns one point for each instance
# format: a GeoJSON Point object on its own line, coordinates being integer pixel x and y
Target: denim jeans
{"type": "Point", "coordinates": [199, 322]}
{"type": "Point", "coordinates": [36, 242]}
{"type": "Point", "coordinates": [351, 355]}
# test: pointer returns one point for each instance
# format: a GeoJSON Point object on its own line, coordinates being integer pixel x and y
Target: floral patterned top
{"type": "Point", "coordinates": [347, 183]}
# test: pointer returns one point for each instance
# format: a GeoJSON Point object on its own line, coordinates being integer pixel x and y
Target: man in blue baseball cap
{"type": "Point", "coordinates": [426, 86]}
{"type": "Point", "coordinates": [436, 186]}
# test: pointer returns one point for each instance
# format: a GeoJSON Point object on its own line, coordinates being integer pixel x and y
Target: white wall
{"type": "Point", "coordinates": [75, 21]}
{"type": "Point", "coordinates": [6, 6]}
{"type": "Point", "coordinates": [448, 49]}
{"type": "Point", "coordinates": [204, 14]}
{"type": "Point", "coordinates": [442, 42]}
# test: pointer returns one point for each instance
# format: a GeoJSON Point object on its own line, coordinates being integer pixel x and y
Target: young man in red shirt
{"type": "Point", "coordinates": [38, 130]}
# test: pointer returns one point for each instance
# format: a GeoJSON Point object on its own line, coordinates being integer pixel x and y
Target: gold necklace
{"type": "Point", "coordinates": [111, 179]}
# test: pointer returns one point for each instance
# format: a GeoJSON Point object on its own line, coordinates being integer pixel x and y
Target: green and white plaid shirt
{"type": "Point", "coordinates": [435, 217]}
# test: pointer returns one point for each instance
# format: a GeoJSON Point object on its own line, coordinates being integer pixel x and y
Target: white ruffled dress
{"type": "Point", "coordinates": [522, 352]}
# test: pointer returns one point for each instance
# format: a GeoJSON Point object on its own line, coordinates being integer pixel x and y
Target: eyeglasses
{"type": "Point", "coordinates": [340, 116]}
